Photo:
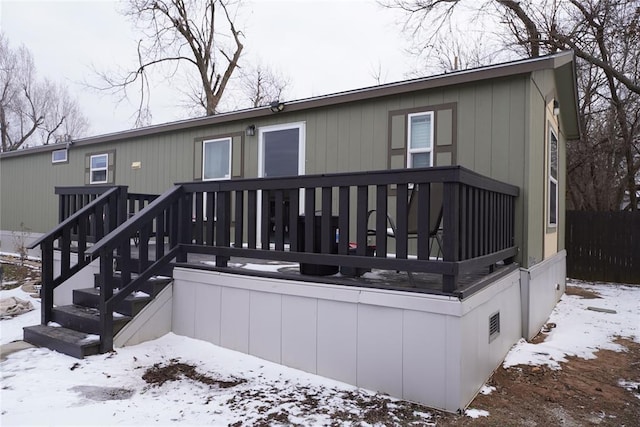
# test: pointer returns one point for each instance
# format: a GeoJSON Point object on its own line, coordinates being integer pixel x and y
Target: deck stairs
{"type": "Point", "coordinates": [75, 329]}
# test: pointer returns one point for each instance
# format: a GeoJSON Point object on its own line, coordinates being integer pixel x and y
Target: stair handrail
{"type": "Point", "coordinates": [172, 203]}
{"type": "Point", "coordinates": [112, 199]}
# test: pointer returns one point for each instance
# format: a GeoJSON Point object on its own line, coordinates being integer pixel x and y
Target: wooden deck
{"type": "Point", "coordinates": [228, 225]}
{"type": "Point", "coordinates": [469, 283]}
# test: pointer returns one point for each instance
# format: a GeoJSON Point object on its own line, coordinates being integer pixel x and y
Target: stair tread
{"type": "Point", "coordinates": [140, 295]}
{"type": "Point", "coordinates": [65, 335]}
{"type": "Point", "coordinates": [87, 312]}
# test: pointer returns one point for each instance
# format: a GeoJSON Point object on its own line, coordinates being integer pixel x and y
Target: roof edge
{"type": "Point", "coordinates": [516, 67]}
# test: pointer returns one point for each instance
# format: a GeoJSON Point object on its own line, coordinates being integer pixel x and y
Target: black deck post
{"type": "Point", "coordinates": [451, 233]}
{"type": "Point", "coordinates": [106, 292]}
{"type": "Point", "coordinates": [184, 224]}
{"type": "Point", "coordinates": [46, 291]}
{"type": "Point", "coordinates": [223, 225]}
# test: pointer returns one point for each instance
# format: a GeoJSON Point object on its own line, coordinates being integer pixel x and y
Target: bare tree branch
{"type": "Point", "coordinates": [605, 36]}
{"type": "Point", "coordinates": [187, 34]}
{"type": "Point", "coordinates": [32, 111]}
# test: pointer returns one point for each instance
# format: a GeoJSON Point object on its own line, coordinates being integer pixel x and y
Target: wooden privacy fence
{"type": "Point", "coordinates": [603, 246]}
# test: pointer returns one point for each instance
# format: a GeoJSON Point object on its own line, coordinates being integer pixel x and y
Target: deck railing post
{"type": "Point", "coordinates": [46, 291]}
{"type": "Point", "coordinates": [223, 224]}
{"type": "Point", "coordinates": [122, 204]}
{"type": "Point", "coordinates": [451, 232]}
{"type": "Point", "coordinates": [362, 217]}
{"type": "Point", "coordinates": [61, 209]}
{"type": "Point", "coordinates": [106, 292]}
{"type": "Point", "coordinates": [309, 220]}
{"type": "Point", "coordinates": [185, 234]}
{"type": "Point", "coordinates": [343, 220]}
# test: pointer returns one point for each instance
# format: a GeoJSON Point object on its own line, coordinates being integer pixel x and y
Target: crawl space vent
{"type": "Point", "coordinates": [494, 326]}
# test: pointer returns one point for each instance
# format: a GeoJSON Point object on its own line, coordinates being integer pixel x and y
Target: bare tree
{"type": "Point", "coordinates": [64, 119]}
{"type": "Point", "coordinates": [262, 85]}
{"type": "Point", "coordinates": [32, 111]}
{"type": "Point", "coordinates": [605, 36]}
{"type": "Point", "coordinates": [196, 37]}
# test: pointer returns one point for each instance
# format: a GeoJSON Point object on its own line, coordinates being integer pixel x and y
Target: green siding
{"type": "Point", "coordinates": [495, 127]}
{"type": "Point", "coordinates": [518, 138]}
{"type": "Point", "coordinates": [444, 120]}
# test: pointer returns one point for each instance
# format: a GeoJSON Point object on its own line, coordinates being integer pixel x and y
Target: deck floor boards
{"type": "Point", "coordinates": [386, 279]}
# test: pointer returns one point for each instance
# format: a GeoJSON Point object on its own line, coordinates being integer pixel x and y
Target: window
{"type": "Point", "coordinates": [553, 179]}
{"type": "Point", "coordinates": [216, 159]}
{"type": "Point", "coordinates": [98, 169]}
{"type": "Point", "coordinates": [281, 150]}
{"type": "Point", "coordinates": [420, 140]}
{"type": "Point", "coordinates": [59, 156]}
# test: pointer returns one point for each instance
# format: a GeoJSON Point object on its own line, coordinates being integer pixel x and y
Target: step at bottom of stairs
{"type": "Point", "coordinates": [64, 340]}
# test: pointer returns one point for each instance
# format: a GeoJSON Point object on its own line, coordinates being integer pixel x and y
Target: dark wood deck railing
{"type": "Point", "coordinates": [477, 230]}
{"type": "Point", "coordinates": [296, 219]}
{"type": "Point", "coordinates": [97, 217]}
{"type": "Point", "coordinates": [73, 199]}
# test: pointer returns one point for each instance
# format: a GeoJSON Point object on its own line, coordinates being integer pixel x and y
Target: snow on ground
{"type": "Point", "coordinates": [11, 329]}
{"type": "Point", "coordinates": [45, 387]}
{"type": "Point", "coordinates": [581, 331]}
{"type": "Point", "coordinates": [476, 413]}
{"type": "Point", "coordinates": [487, 389]}
{"type": "Point", "coordinates": [42, 387]}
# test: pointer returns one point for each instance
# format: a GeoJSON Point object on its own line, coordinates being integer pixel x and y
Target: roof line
{"type": "Point", "coordinates": [510, 68]}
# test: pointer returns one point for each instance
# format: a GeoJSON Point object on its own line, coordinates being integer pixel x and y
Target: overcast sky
{"type": "Point", "coordinates": [322, 46]}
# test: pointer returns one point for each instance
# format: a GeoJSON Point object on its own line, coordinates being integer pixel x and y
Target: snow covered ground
{"type": "Point", "coordinates": [41, 387]}
{"type": "Point", "coordinates": [583, 326]}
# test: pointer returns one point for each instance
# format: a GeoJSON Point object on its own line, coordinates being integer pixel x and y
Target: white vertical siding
{"type": "Point", "coordinates": [299, 332]}
{"type": "Point", "coordinates": [207, 301]}
{"type": "Point", "coordinates": [337, 339]}
{"type": "Point", "coordinates": [234, 324]}
{"type": "Point", "coordinates": [425, 348]}
{"type": "Point", "coordinates": [380, 345]}
{"type": "Point", "coordinates": [265, 321]}
{"type": "Point", "coordinates": [422, 383]}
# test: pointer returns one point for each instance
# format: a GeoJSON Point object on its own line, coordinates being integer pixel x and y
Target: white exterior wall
{"type": "Point", "coordinates": [426, 348]}
{"type": "Point", "coordinates": [542, 286]}
{"type": "Point", "coordinates": [153, 321]}
{"type": "Point", "coordinates": [479, 356]}
{"type": "Point", "coordinates": [63, 294]}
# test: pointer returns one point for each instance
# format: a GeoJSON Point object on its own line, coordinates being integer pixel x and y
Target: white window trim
{"type": "Point", "coordinates": [66, 156]}
{"type": "Point", "coordinates": [410, 150]}
{"type": "Point", "coordinates": [204, 143]}
{"type": "Point", "coordinates": [552, 134]}
{"type": "Point", "coordinates": [301, 144]}
{"type": "Point", "coordinates": [105, 168]}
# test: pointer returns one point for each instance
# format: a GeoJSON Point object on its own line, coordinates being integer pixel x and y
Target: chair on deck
{"type": "Point", "coordinates": [435, 220]}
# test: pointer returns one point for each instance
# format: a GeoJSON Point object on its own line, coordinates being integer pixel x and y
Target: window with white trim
{"type": "Point", "coordinates": [216, 159]}
{"type": "Point", "coordinates": [552, 205]}
{"type": "Point", "coordinates": [59, 156]}
{"type": "Point", "coordinates": [98, 168]}
{"type": "Point", "coordinates": [420, 140]}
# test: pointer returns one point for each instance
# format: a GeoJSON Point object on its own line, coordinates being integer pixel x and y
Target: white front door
{"type": "Point", "coordinates": [281, 153]}
{"type": "Point", "coordinates": [281, 150]}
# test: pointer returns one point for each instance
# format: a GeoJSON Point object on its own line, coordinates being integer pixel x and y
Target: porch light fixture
{"type": "Point", "coordinates": [250, 130]}
{"type": "Point", "coordinates": [556, 107]}
{"type": "Point", "coordinates": [277, 106]}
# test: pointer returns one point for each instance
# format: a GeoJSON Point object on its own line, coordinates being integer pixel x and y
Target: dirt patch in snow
{"type": "Point", "coordinates": [159, 374]}
{"type": "Point", "coordinates": [581, 292]}
{"type": "Point", "coordinates": [583, 392]}
{"type": "Point", "coordinates": [17, 273]}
